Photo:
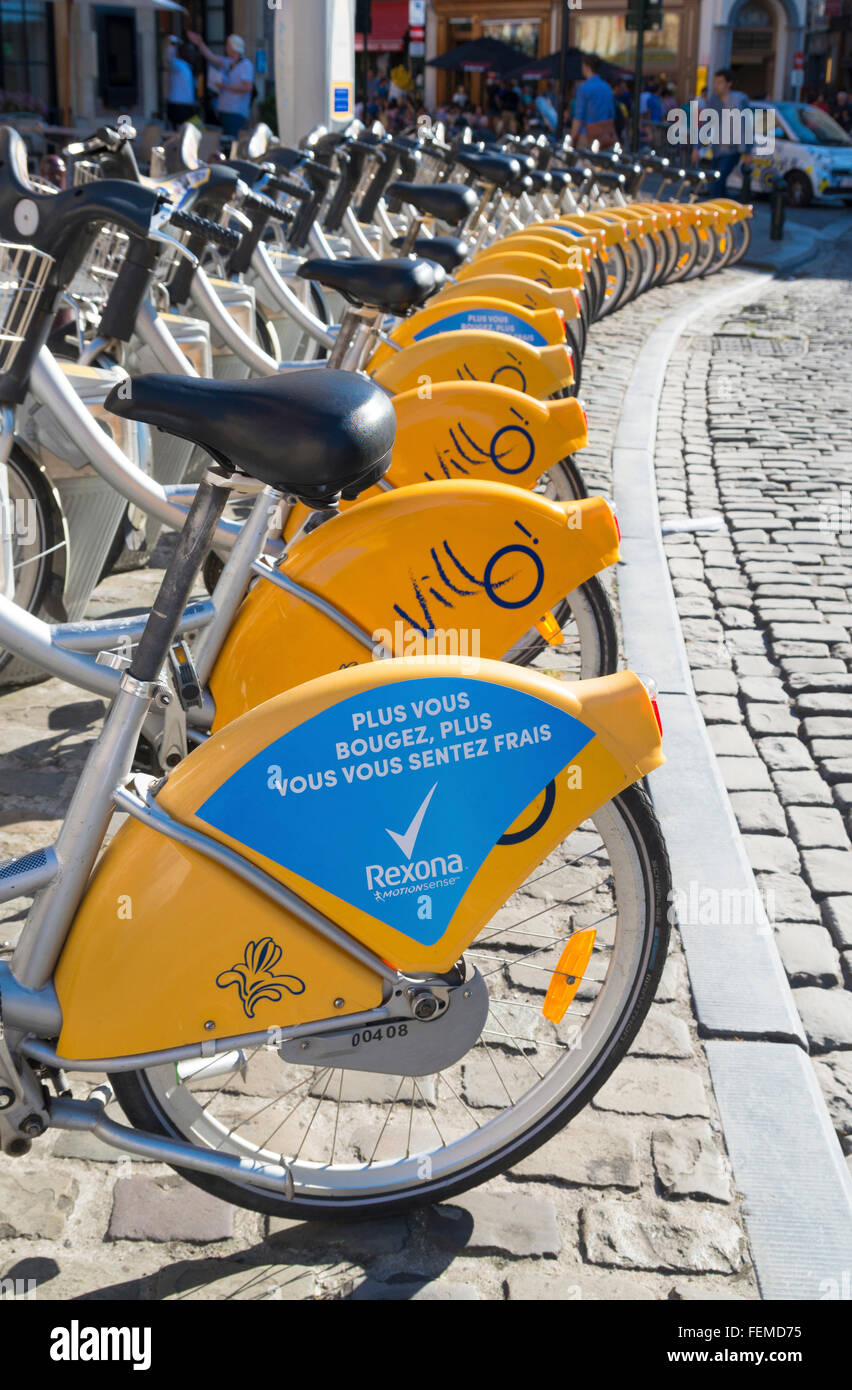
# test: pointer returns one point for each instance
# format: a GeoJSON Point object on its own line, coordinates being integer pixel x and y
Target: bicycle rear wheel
{"type": "Point", "coordinates": [368, 1144]}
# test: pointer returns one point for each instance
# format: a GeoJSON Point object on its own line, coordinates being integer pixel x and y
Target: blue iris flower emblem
{"type": "Point", "coordinates": [255, 978]}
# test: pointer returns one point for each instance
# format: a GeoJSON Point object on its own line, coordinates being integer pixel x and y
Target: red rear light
{"type": "Point", "coordinates": [617, 527]}
{"type": "Point", "coordinates": [651, 687]}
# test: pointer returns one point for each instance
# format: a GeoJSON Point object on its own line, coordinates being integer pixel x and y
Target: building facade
{"type": "Point", "coordinates": [757, 39]}
{"type": "Point", "coordinates": [828, 47]}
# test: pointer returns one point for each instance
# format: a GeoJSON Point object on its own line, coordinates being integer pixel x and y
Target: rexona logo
{"type": "Point", "coordinates": [419, 875]}
{"type": "Point", "coordinates": [393, 799]}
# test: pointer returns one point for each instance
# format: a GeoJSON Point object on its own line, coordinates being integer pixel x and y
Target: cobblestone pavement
{"type": "Point", "coordinates": [756, 424]}
{"type": "Point", "coordinates": [633, 1200]}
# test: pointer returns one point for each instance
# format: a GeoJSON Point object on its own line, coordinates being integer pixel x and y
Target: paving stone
{"type": "Point", "coordinates": [827, 726]}
{"type": "Point", "coordinates": [828, 870]}
{"type": "Point", "coordinates": [770, 719]}
{"type": "Point", "coordinates": [787, 898]}
{"type": "Point", "coordinates": [587, 1153]}
{"type": "Point", "coordinates": [785, 754]}
{"type": "Point", "coordinates": [689, 1162]}
{"type": "Point", "coordinates": [662, 1034]}
{"type": "Point", "coordinates": [730, 740]}
{"type": "Point", "coordinates": [839, 679]}
{"type": "Point", "coordinates": [673, 980]}
{"type": "Point", "coordinates": [245, 1281]}
{"type": "Point", "coordinates": [827, 1017]}
{"type": "Point", "coordinates": [817, 827]}
{"type": "Point", "coordinates": [759, 812]}
{"type": "Point", "coordinates": [511, 1223]}
{"type": "Point", "coordinates": [163, 1209]}
{"type": "Point", "coordinates": [541, 1281]}
{"type": "Point", "coordinates": [364, 1239]}
{"type": "Point", "coordinates": [720, 709]}
{"type": "Point", "coordinates": [837, 914]}
{"type": "Point", "coordinates": [807, 954]}
{"type": "Point", "coordinates": [771, 854]}
{"type": "Point", "coordinates": [640, 1087]}
{"type": "Point", "coordinates": [672, 1237]}
{"type": "Point", "coordinates": [415, 1291]}
{"type": "Point", "coordinates": [764, 689]}
{"type": "Point", "coordinates": [744, 774]}
{"type": "Point", "coordinates": [35, 1204]}
{"type": "Point", "coordinates": [715, 682]}
{"type": "Point", "coordinates": [806, 632]}
{"type": "Point", "coordinates": [834, 1074]}
{"type": "Point", "coordinates": [802, 788]}
{"type": "Point", "coordinates": [825, 702]}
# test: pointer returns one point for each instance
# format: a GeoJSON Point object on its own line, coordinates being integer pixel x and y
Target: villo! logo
{"type": "Point", "coordinates": [416, 873]}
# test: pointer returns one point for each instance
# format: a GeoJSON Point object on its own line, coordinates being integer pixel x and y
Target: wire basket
{"type": "Point", "coordinates": [86, 171]}
{"type": "Point", "coordinates": [23, 276]}
{"type": "Point", "coordinates": [95, 278]}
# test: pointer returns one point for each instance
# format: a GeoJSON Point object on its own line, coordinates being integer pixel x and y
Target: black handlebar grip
{"type": "Point", "coordinates": [212, 232]}
{"type": "Point", "coordinates": [260, 203]}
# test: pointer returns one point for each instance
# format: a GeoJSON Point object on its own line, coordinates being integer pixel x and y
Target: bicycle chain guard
{"type": "Point", "coordinates": [404, 1046]}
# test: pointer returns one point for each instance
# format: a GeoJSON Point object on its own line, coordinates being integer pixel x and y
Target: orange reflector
{"type": "Point", "coordinates": [572, 966]}
{"type": "Point", "coordinates": [550, 630]}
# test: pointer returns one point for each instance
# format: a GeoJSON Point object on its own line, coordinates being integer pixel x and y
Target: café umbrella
{"type": "Point", "coordinates": [479, 55]}
{"type": "Point", "coordinates": [168, 5]}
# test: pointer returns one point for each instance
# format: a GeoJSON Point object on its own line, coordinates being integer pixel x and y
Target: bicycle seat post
{"type": "Point", "coordinates": [193, 543]}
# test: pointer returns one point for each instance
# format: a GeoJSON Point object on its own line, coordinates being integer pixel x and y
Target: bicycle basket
{"type": "Point", "coordinates": [86, 171]}
{"type": "Point", "coordinates": [23, 276]}
{"type": "Point", "coordinates": [96, 275]}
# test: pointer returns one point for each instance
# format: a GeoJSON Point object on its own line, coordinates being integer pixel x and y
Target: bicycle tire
{"type": "Point", "coordinates": [629, 816]}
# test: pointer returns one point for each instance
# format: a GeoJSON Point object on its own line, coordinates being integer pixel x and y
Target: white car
{"type": "Point", "coordinates": [811, 151]}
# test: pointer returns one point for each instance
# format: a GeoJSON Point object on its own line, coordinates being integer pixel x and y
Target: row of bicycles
{"type": "Point", "coordinates": [359, 897]}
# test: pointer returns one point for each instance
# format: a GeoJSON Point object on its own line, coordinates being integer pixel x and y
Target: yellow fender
{"type": "Point", "coordinates": [528, 265]}
{"type": "Point", "coordinates": [513, 289]}
{"type": "Point", "coordinates": [541, 242]}
{"type": "Point", "coordinates": [407, 562]}
{"type": "Point", "coordinates": [463, 430]}
{"type": "Point", "coordinates": [477, 312]}
{"type": "Point", "coordinates": [473, 355]}
{"type": "Point", "coordinates": [298, 788]}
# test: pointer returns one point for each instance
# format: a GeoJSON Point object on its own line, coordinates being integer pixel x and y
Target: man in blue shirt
{"type": "Point", "coordinates": [594, 111]}
{"type": "Point", "coordinates": [730, 141]}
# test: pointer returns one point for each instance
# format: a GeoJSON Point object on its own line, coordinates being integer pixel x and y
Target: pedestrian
{"type": "Point", "coordinates": [594, 112]}
{"type": "Point", "coordinates": [621, 94]}
{"type": "Point", "coordinates": [650, 112]}
{"type": "Point", "coordinates": [725, 148]}
{"type": "Point", "coordinates": [237, 82]}
{"type": "Point", "coordinates": [822, 102]}
{"type": "Point", "coordinates": [181, 105]}
{"type": "Point", "coordinates": [547, 110]}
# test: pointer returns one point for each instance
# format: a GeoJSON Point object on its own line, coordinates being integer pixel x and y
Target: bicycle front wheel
{"type": "Point", "coordinates": [372, 1144]}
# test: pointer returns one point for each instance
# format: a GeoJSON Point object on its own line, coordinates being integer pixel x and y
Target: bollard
{"type": "Point", "coordinates": [745, 191]}
{"type": "Point", "coordinates": [777, 200]}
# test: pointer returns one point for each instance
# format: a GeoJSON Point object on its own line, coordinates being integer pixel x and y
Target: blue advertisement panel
{"type": "Point", "coordinates": [393, 799]}
{"type": "Point", "coordinates": [492, 320]}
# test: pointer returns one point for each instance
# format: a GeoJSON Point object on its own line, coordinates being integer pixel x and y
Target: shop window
{"type": "Point", "coordinates": [27, 72]}
{"type": "Point", "coordinates": [607, 36]}
{"type": "Point", "coordinates": [118, 67]}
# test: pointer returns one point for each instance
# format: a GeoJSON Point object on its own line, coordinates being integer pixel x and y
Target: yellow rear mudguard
{"type": "Point", "coordinates": [463, 430]}
{"type": "Point", "coordinates": [475, 356]}
{"type": "Point", "coordinates": [513, 289]}
{"type": "Point", "coordinates": [472, 311]}
{"type": "Point", "coordinates": [526, 265]}
{"type": "Point", "coordinates": [404, 800]}
{"type": "Point", "coordinates": [538, 241]}
{"type": "Point", "coordinates": [479, 562]}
